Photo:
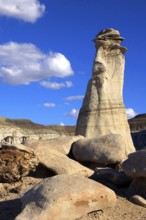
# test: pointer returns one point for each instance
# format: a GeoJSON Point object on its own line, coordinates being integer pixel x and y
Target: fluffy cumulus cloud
{"type": "Point", "coordinates": [56, 85]}
{"type": "Point", "coordinates": [73, 113]}
{"type": "Point", "coordinates": [71, 98]}
{"type": "Point", "coordinates": [130, 113]}
{"type": "Point", "coordinates": [25, 63]}
{"type": "Point", "coordinates": [49, 105]}
{"type": "Point", "coordinates": [27, 10]}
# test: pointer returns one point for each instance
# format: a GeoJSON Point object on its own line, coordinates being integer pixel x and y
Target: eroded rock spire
{"type": "Point", "coordinates": [103, 111]}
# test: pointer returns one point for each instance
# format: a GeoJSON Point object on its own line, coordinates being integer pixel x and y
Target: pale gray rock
{"type": "Point", "coordinates": [59, 163]}
{"type": "Point", "coordinates": [138, 200]}
{"type": "Point", "coordinates": [135, 165]}
{"type": "Point", "coordinates": [107, 149]}
{"type": "Point", "coordinates": [65, 198]}
{"type": "Point", "coordinates": [103, 111]}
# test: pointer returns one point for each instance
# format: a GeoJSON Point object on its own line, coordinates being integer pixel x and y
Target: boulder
{"type": "Point", "coordinates": [14, 164]}
{"type": "Point", "coordinates": [58, 162]}
{"type": "Point", "coordinates": [61, 144]}
{"type": "Point", "coordinates": [135, 165]}
{"type": "Point", "coordinates": [65, 197]}
{"type": "Point", "coordinates": [107, 149]}
{"type": "Point", "coordinates": [103, 110]}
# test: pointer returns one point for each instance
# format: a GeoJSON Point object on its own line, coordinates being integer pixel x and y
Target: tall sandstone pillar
{"type": "Point", "coordinates": [103, 110]}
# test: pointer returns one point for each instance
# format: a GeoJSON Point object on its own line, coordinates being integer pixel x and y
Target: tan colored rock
{"type": "Point", "coordinates": [58, 162]}
{"type": "Point", "coordinates": [15, 164]}
{"type": "Point", "coordinates": [65, 198]}
{"type": "Point", "coordinates": [61, 144]}
{"type": "Point", "coordinates": [107, 149]}
{"type": "Point", "coordinates": [20, 147]}
{"type": "Point", "coordinates": [103, 111]}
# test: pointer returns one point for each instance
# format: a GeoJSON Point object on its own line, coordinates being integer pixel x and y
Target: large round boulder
{"type": "Point", "coordinates": [107, 149]}
{"type": "Point", "coordinates": [65, 197]}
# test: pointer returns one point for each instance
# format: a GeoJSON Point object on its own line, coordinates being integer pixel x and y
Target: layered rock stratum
{"type": "Point", "coordinates": [22, 131]}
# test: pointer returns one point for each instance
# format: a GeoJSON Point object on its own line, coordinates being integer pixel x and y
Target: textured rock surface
{"type": "Point", "coordinates": [61, 144]}
{"type": "Point", "coordinates": [107, 149]}
{"type": "Point", "coordinates": [103, 111]}
{"type": "Point", "coordinates": [65, 198]}
{"type": "Point", "coordinates": [58, 162]}
{"type": "Point", "coordinates": [15, 164]}
{"type": "Point", "coordinates": [135, 165]}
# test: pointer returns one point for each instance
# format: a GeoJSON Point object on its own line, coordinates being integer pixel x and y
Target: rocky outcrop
{"type": "Point", "coordinates": [138, 131]}
{"type": "Point", "coordinates": [105, 150]}
{"type": "Point", "coordinates": [138, 123]}
{"type": "Point", "coordinates": [22, 131]}
{"type": "Point", "coordinates": [103, 111]}
{"type": "Point", "coordinates": [65, 198]}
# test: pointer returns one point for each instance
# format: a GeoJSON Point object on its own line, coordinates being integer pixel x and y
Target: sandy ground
{"type": "Point", "coordinates": [124, 210]}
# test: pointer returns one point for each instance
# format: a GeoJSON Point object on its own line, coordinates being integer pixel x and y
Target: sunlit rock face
{"type": "Point", "coordinates": [103, 110]}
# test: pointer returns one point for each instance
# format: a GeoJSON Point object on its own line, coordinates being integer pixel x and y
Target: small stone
{"type": "Point", "coordinates": [138, 200]}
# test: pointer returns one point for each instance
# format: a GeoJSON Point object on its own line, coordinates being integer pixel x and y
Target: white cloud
{"type": "Point", "coordinates": [56, 85]}
{"type": "Point", "coordinates": [70, 98]}
{"type": "Point", "coordinates": [25, 63]}
{"type": "Point", "coordinates": [62, 124]}
{"type": "Point", "coordinates": [49, 105]}
{"type": "Point", "coordinates": [27, 10]}
{"type": "Point", "coordinates": [73, 113]}
{"type": "Point", "coordinates": [130, 113]}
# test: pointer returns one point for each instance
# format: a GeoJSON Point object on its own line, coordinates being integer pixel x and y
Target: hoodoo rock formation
{"type": "Point", "coordinates": [103, 111]}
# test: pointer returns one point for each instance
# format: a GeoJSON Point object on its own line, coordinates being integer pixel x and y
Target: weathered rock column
{"type": "Point", "coordinates": [103, 111]}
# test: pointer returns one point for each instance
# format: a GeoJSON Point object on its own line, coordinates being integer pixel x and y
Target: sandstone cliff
{"type": "Point", "coordinates": [19, 130]}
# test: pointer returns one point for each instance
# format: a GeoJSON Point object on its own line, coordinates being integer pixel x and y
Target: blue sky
{"type": "Point", "coordinates": [46, 55]}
